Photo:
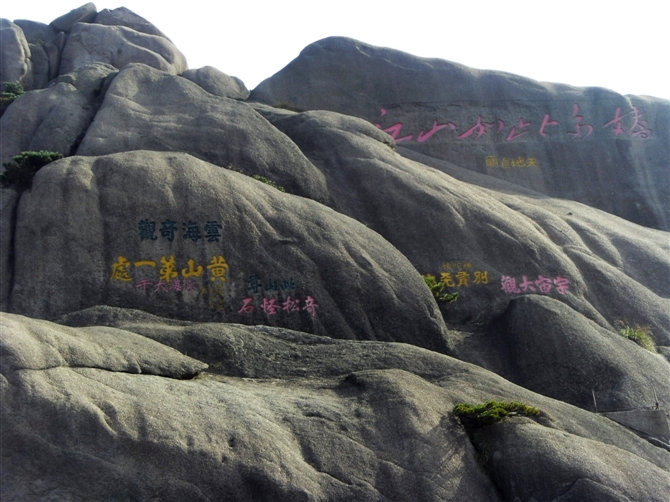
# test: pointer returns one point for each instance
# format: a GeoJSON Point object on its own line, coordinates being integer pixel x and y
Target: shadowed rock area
{"type": "Point", "coordinates": [282, 294]}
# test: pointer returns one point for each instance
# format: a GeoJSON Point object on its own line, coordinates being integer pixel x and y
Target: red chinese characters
{"type": "Point", "coordinates": [548, 125]}
{"type": "Point", "coordinates": [272, 306]}
{"type": "Point", "coordinates": [541, 284]}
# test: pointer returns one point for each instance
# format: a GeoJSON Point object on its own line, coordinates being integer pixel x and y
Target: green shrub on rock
{"type": "Point", "coordinates": [20, 170]}
{"type": "Point", "coordinates": [639, 334]}
{"type": "Point", "coordinates": [437, 288]}
{"type": "Point", "coordinates": [490, 412]}
{"type": "Point", "coordinates": [10, 91]}
{"type": "Point", "coordinates": [268, 181]}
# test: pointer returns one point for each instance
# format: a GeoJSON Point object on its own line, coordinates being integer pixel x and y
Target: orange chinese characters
{"type": "Point", "coordinates": [463, 278]}
{"type": "Point", "coordinates": [167, 271]}
{"type": "Point", "coordinates": [145, 263]}
{"type": "Point", "coordinates": [192, 270]}
{"type": "Point", "coordinates": [120, 270]}
{"type": "Point", "coordinates": [218, 268]}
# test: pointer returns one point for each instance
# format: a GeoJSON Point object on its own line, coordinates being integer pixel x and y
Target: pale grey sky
{"type": "Point", "coordinates": [619, 45]}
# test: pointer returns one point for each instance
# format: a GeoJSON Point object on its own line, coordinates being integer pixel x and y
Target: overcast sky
{"type": "Point", "coordinates": [620, 45]}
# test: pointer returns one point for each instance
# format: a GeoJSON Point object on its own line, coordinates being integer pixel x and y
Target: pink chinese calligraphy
{"type": "Point", "coordinates": [273, 306]}
{"type": "Point", "coordinates": [630, 123]}
{"type": "Point", "coordinates": [541, 284]}
{"type": "Point", "coordinates": [275, 295]}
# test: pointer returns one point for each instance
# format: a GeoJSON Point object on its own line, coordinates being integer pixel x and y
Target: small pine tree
{"type": "Point", "coordinates": [10, 91]}
{"type": "Point", "coordinates": [20, 171]}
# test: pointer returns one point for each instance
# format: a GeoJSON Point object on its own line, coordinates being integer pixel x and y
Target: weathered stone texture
{"type": "Point", "coordinates": [345, 433]}
{"type": "Point", "coordinates": [125, 17]}
{"type": "Point", "coordinates": [119, 46]}
{"type": "Point", "coordinates": [435, 219]}
{"type": "Point", "coordinates": [149, 109]}
{"type": "Point", "coordinates": [55, 118]}
{"type": "Point", "coordinates": [15, 65]}
{"type": "Point", "coordinates": [218, 83]}
{"type": "Point", "coordinates": [358, 280]}
{"type": "Point", "coordinates": [84, 14]}
{"type": "Point", "coordinates": [586, 144]}
{"type": "Point", "coordinates": [216, 296]}
{"type": "Point", "coordinates": [46, 44]}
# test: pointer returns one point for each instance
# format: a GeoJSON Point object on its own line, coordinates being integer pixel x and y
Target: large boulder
{"type": "Point", "coordinates": [225, 295]}
{"type": "Point", "coordinates": [125, 17]}
{"type": "Point", "coordinates": [54, 118]}
{"type": "Point", "coordinates": [35, 121]}
{"type": "Point", "coordinates": [30, 344]}
{"type": "Point", "coordinates": [482, 242]}
{"type": "Point", "coordinates": [35, 32]}
{"type": "Point", "coordinates": [218, 83]}
{"type": "Point", "coordinates": [46, 44]}
{"type": "Point", "coordinates": [153, 110]}
{"type": "Point", "coordinates": [115, 37]}
{"type": "Point", "coordinates": [176, 236]}
{"type": "Point", "coordinates": [581, 469]}
{"type": "Point", "coordinates": [549, 349]}
{"type": "Point", "coordinates": [15, 65]}
{"type": "Point", "coordinates": [119, 46]}
{"type": "Point", "coordinates": [83, 14]}
{"type": "Point", "coordinates": [587, 144]}
{"type": "Point", "coordinates": [252, 431]}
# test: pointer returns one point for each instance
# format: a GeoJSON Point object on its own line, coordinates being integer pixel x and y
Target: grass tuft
{"type": "Point", "coordinates": [490, 412]}
{"type": "Point", "coordinates": [639, 334]}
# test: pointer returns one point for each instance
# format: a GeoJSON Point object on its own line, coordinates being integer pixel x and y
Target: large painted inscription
{"type": "Point", "coordinates": [629, 123]}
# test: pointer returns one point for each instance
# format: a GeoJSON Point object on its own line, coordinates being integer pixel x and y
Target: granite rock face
{"type": "Point", "coordinates": [57, 117]}
{"type": "Point", "coordinates": [125, 17]}
{"type": "Point", "coordinates": [84, 14]}
{"type": "Point", "coordinates": [591, 145]}
{"type": "Point", "coordinates": [118, 46]}
{"type": "Point", "coordinates": [151, 110]}
{"type": "Point", "coordinates": [215, 295]}
{"type": "Point", "coordinates": [541, 332]}
{"type": "Point", "coordinates": [218, 83]}
{"type": "Point", "coordinates": [190, 240]}
{"type": "Point", "coordinates": [472, 233]}
{"type": "Point", "coordinates": [33, 53]}
{"type": "Point", "coordinates": [15, 65]}
{"type": "Point", "coordinates": [366, 421]}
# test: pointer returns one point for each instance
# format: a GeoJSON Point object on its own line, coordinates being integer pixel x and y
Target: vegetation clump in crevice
{"type": "Point", "coordinates": [639, 334]}
{"type": "Point", "coordinates": [483, 414]}
{"type": "Point", "coordinates": [20, 170]}
{"type": "Point", "coordinates": [268, 181]}
{"type": "Point", "coordinates": [10, 91]}
{"type": "Point", "coordinates": [257, 177]}
{"type": "Point", "coordinates": [437, 288]}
